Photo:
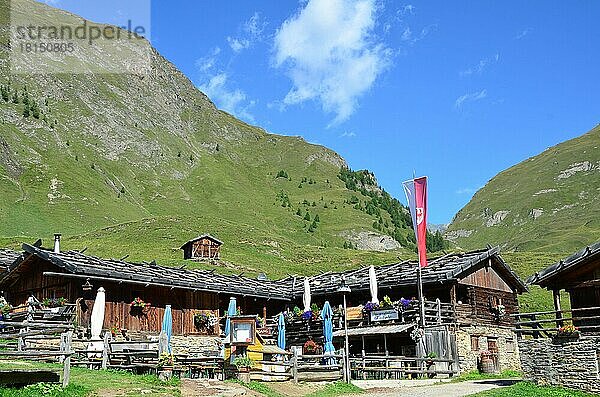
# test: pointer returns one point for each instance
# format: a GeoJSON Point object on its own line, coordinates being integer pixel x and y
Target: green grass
{"type": "Point", "coordinates": [259, 387]}
{"type": "Point", "coordinates": [527, 389]}
{"type": "Point", "coordinates": [571, 205]}
{"type": "Point", "coordinates": [476, 375]}
{"type": "Point", "coordinates": [337, 389]}
{"type": "Point", "coordinates": [85, 382]}
{"type": "Point", "coordinates": [133, 189]}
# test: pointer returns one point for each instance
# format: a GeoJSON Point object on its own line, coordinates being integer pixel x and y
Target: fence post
{"type": "Point", "coordinates": [105, 349]}
{"type": "Point", "coordinates": [439, 310]}
{"type": "Point", "coordinates": [67, 359]}
{"type": "Point", "coordinates": [344, 367]}
{"type": "Point", "coordinates": [295, 367]}
{"type": "Point", "coordinates": [21, 340]}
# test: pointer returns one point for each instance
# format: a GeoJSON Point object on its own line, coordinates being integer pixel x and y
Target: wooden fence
{"type": "Point", "coordinates": [22, 332]}
{"type": "Point", "coordinates": [399, 367]}
{"type": "Point", "coordinates": [547, 324]}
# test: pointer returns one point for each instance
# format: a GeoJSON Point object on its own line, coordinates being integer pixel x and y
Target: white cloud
{"type": "Point", "coordinates": [205, 64]}
{"type": "Point", "coordinates": [408, 9]}
{"type": "Point", "coordinates": [234, 101]}
{"type": "Point", "coordinates": [251, 32]}
{"type": "Point", "coordinates": [409, 37]}
{"type": "Point", "coordinates": [469, 97]}
{"type": "Point", "coordinates": [331, 54]}
{"type": "Point", "coordinates": [523, 33]}
{"type": "Point", "coordinates": [481, 65]}
{"type": "Point", "coordinates": [347, 134]}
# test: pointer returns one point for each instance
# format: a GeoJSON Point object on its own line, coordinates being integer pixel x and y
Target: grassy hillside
{"type": "Point", "coordinates": [548, 203]}
{"type": "Point", "coordinates": [137, 165]}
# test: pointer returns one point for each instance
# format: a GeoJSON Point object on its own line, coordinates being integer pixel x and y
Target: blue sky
{"type": "Point", "coordinates": [457, 91]}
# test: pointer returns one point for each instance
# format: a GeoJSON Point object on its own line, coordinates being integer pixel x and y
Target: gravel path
{"type": "Point", "coordinates": [459, 389]}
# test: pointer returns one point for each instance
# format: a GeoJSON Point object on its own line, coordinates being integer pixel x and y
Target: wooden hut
{"type": "Point", "coordinates": [566, 338]}
{"type": "Point", "coordinates": [469, 301]}
{"type": "Point", "coordinates": [579, 275]}
{"type": "Point", "coordinates": [204, 247]}
{"type": "Point", "coordinates": [75, 277]}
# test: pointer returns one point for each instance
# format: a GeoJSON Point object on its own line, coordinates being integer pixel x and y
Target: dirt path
{"type": "Point", "coordinates": [214, 388]}
{"type": "Point", "coordinates": [459, 389]}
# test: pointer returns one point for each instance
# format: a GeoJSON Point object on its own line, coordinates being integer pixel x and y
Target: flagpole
{"type": "Point", "coordinates": [420, 295]}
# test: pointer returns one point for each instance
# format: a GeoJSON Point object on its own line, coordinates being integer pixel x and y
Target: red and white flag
{"type": "Point", "coordinates": [416, 194]}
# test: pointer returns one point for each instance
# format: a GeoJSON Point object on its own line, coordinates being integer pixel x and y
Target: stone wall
{"type": "Point", "coordinates": [507, 360]}
{"type": "Point", "coordinates": [568, 362]}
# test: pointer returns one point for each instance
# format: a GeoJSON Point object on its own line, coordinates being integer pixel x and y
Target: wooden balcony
{"type": "Point", "coordinates": [548, 324]}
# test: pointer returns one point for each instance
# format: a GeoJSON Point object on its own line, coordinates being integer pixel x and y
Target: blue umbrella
{"type": "Point", "coordinates": [167, 326]}
{"type": "Point", "coordinates": [231, 311]}
{"type": "Point", "coordinates": [281, 332]}
{"type": "Point", "coordinates": [326, 315]}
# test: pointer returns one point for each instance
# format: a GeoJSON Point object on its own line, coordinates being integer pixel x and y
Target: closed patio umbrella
{"type": "Point", "coordinates": [96, 323]}
{"type": "Point", "coordinates": [167, 326]}
{"type": "Point", "coordinates": [281, 332]}
{"type": "Point", "coordinates": [231, 311]}
{"type": "Point", "coordinates": [306, 296]}
{"type": "Point", "coordinates": [373, 285]}
{"type": "Point", "coordinates": [327, 315]}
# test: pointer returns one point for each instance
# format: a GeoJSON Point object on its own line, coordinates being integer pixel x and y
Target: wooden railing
{"type": "Point", "coordinates": [547, 324]}
{"type": "Point", "coordinates": [23, 331]}
{"type": "Point", "coordinates": [399, 367]}
{"type": "Point", "coordinates": [298, 331]}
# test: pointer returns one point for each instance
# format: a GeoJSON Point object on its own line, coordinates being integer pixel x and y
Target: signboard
{"type": "Point", "coordinates": [384, 315]}
{"type": "Point", "coordinates": [354, 313]}
{"type": "Point", "coordinates": [242, 331]}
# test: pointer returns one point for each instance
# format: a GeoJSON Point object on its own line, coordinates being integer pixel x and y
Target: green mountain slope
{"type": "Point", "coordinates": [548, 203]}
{"type": "Point", "coordinates": [130, 165]}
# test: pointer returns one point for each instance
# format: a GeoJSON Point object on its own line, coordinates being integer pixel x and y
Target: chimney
{"type": "Point", "coordinates": [57, 243]}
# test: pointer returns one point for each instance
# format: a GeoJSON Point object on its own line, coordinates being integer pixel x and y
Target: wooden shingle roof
{"type": "Point", "coordinates": [202, 236]}
{"type": "Point", "coordinates": [7, 258]}
{"type": "Point", "coordinates": [439, 270]}
{"type": "Point", "coordinates": [582, 257]}
{"type": "Point", "coordinates": [76, 263]}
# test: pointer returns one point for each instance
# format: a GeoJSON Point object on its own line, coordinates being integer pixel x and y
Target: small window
{"type": "Point", "coordinates": [492, 344]}
{"type": "Point", "coordinates": [474, 343]}
{"type": "Point", "coordinates": [510, 345]}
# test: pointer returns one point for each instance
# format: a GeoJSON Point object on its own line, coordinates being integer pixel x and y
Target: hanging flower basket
{"type": "Point", "coordinates": [54, 302]}
{"type": "Point", "coordinates": [138, 307]}
{"type": "Point", "coordinates": [568, 331]}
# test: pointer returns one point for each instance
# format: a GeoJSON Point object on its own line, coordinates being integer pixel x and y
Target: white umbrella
{"type": "Point", "coordinates": [306, 296]}
{"type": "Point", "coordinates": [373, 285]}
{"type": "Point", "coordinates": [97, 321]}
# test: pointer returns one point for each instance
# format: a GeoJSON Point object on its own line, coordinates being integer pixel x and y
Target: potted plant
{"type": "Point", "coordinates": [568, 331]}
{"type": "Point", "coordinates": [205, 322]}
{"type": "Point", "coordinates": [5, 309]}
{"type": "Point", "coordinates": [386, 303]}
{"type": "Point", "coordinates": [243, 365]}
{"type": "Point", "coordinates": [138, 306]}
{"type": "Point", "coordinates": [114, 330]}
{"type": "Point", "coordinates": [51, 303]}
{"type": "Point", "coordinates": [310, 347]}
{"type": "Point", "coordinates": [430, 356]}
{"type": "Point", "coordinates": [370, 306]}
{"type": "Point", "coordinates": [166, 362]}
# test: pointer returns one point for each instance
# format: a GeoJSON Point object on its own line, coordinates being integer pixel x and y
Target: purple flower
{"type": "Point", "coordinates": [370, 306]}
{"type": "Point", "coordinates": [306, 315]}
{"type": "Point", "coordinates": [405, 302]}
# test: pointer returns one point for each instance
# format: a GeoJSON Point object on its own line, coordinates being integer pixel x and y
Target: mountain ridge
{"type": "Point", "coordinates": [136, 164]}
{"type": "Point", "coordinates": [548, 202]}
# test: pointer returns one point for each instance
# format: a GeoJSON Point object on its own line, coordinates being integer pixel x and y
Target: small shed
{"type": "Point", "coordinates": [204, 247]}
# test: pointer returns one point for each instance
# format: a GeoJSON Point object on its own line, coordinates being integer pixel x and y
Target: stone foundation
{"type": "Point", "coordinates": [567, 362]}
{"type": "Point", "coordinates": [468, 358]}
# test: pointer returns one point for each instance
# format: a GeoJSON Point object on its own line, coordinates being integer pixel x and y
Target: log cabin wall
{"type": "Point", "coordinates": [475, 305]}
{"type": "Point", "coordinates": [31, 280]}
